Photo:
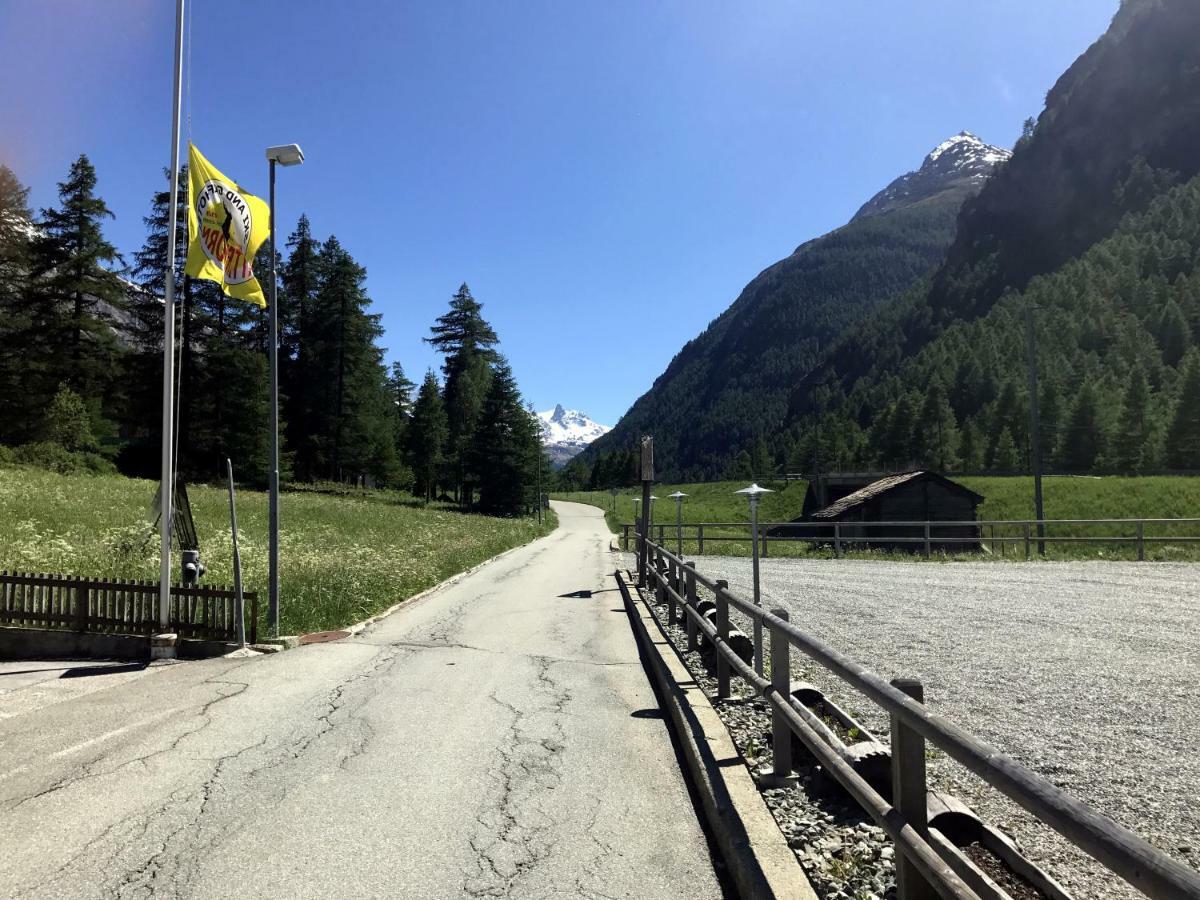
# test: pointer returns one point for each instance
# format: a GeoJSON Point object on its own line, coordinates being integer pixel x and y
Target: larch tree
{"type": "Point", "coordinates": [76, 298]}
{"type": "Point", "coordinates": [16, 232]}
{"type": "Point", "coordinates": [467, 343]}
{"type": "Point", "coordinates": [426, 439]}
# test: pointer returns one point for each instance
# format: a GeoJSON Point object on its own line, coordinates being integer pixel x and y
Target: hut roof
{"type": "Point", "coordinates": [882, 486]}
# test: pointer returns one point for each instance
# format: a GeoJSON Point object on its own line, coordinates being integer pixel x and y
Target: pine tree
{"type": "Point", "coordinates": [936, 437]}
{"type": "Point", "coordinates": [427, 435]}
{"type": "Point", "coordinates": [1173, 334]}
{"type": "Point", "coordinates": [1085, 439]}
{"type": "Point", "coordinates": [1183, 438]}
{"type": "Point", "coordinates": [350, 427]}
{"type": "Point", "coordinates": [15, 320]}
{"type": "Point", "coordinates": [1133, 444]}
{"type": "Point", "coordinates": [1050, 415]}
{"type": "Point", "coordinates": [75, 298]}
{"type": "Point", "coordinates": [971, 447]}
{"type": "Point", "coordinates": [503, 447]}
{"type": "Point", "coordinates": [467, 342]}
{"type": "Point", "coordinates": [1005, 457]}
{"type": "Point", "coordinates": [897, 446]}
{"type": "Point", "coordinates": [299, 380]}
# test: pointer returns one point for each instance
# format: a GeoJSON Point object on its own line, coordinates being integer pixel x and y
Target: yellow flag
{"type": "Point", "coordinates": [226, 226]}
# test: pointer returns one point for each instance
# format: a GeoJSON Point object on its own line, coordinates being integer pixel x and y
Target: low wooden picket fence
{"type": "Point", "coordinates": [101, 605]}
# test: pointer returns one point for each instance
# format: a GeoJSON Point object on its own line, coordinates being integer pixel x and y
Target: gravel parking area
{"type": "Point", "coordinates": [1089, 673]}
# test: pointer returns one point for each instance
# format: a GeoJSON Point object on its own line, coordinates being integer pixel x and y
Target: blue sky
{"type": "Point", "coordinates": [606, 176]}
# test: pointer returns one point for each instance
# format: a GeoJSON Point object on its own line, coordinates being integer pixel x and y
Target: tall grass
{"type": "Point", "coordinates": [342, 558]}
{"type": "Point", "coordinates": [1006, 498]}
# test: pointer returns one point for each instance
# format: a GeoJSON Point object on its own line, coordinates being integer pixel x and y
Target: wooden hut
{"type": "Point", "coordinates": [856, 502]}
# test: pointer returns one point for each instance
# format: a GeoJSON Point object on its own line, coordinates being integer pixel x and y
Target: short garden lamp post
{"type": "Point", "coordinates": [678, 498]}
{"type": "Point", "coordinates": [637, 509]}
{"type": "Point", "coordinates": [754, 492]}
{"type": "Point", "coordinates": [650, 517]}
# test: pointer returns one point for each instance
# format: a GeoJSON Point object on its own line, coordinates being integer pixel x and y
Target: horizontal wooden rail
{"type": "Point", "coordinates": [1126, 854]}
{"type": "Point", "coordinates": [34, 600]}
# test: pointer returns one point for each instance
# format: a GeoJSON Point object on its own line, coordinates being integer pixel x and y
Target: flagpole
{"type": "Point", "coordinates": [168, 419]}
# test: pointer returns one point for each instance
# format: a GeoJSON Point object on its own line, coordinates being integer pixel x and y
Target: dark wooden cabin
{"type": "Point", "coordinates": [857, 501]}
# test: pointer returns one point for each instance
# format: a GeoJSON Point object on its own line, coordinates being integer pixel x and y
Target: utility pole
{"type": "Point", "coordinates": [1035, 429]}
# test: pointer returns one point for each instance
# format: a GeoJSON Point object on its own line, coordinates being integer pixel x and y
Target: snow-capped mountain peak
{"type": "Point", "coordinates": [963, 159]}
{"type": "Point", "coordinates": [565, 432]}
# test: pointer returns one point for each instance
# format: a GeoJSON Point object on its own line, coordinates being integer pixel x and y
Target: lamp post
{"type": "Point", "coordinates": [754, 492]}
{"type": "Point", "coordinates": [650, 517]}
{"type": "Point", "coordinates": [284, 155]}
{"type": "Point", "coordinates": [678, 498]}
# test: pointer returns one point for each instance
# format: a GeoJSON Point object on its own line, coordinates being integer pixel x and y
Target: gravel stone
{"type": "Point", "coordinates": [1087, 672]}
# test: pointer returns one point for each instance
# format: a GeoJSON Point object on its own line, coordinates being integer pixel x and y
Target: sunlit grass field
{"type": "Point", "coordinates": [1006, 498]}
{"type": "Point", "coordinates": [342, 558]}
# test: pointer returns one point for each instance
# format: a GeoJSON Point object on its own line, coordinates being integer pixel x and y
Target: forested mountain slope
{"type": "Point", "coordinates": [1120, 129]}
{"type": "Point", "coordinates": [728, 389]}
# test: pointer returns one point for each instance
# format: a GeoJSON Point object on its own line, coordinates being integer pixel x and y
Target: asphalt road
{"type": "Point", "coordinates": [498, 738]}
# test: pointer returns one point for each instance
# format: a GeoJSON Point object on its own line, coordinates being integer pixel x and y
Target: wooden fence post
{"type": "Point", "coordinates": [700, 540]}
{"type": "Point", "coordinates": [1028, 548]}
{"type": "Point", "coordinates": [928, 547]}
{"type": "Point", "coordinates": [908, 792]}
{"type": "Point", "coordinates": [80, 601]}
{"type": "Point", "coordinates": [674, 585]}
{"type": "Point", "coordinates": [837, 541]}
{"type": "Point", "coordinates": [723, 634]}
{"type": "Point", "coordinates": [691, 601]}
{"type": "Point", "coordinates": [781, 681]}
{"type": "Point", "coordinates": [763, 536]}
{"type": "Point", "coordinates": [1141, 541]}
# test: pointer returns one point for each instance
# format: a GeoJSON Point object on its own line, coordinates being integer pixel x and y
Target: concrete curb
{"type": "Point", "coordinates": [754, 849]}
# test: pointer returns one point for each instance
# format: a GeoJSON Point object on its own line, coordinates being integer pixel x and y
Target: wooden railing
{"type": "Point", "coordinates": [121, 607]}
{"type": "Point", "coordinates": [923, 862]}
{"type": "Point", "coordinates": [1000, 536]}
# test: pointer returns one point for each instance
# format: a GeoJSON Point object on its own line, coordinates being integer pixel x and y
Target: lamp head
{"type": "Point", "coordinates": [754, 492]}
{"type": "Point", "coordinates": [286, 154]}
{"type": "Point", "coordinates": [677, 496]}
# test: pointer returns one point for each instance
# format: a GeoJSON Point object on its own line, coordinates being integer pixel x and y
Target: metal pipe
{"type": "Point", "coordinates": [273, 476]}
{"type": "Point", "coordinates": [167, 494]}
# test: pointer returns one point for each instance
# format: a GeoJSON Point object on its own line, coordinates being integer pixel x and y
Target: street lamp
{"type": "Point", "coordinates": [754, 492]}
{"type": "Point", "coordinates": [678, 498]}
{"type": "Point", "coordinates": [284, 155]}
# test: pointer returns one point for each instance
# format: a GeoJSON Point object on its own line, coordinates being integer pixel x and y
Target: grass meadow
{"type": "Point", "coordinates": [342, 557]}
{"type": "Point", "coordinates": [1006, 498]}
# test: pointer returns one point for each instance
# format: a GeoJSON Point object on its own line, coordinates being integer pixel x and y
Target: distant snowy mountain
{"type": "Point", "coordinates": [566, 432]}
{"type": "Point", "coordinates": [963, 158]}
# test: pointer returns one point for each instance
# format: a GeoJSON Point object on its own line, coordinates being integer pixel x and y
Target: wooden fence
{"type": "Point", "coordinates": [1001, 537]}
{"type": "Point", "coordinates": [925, 864]}
{"type": "Point", "coordinates": [107, 606]}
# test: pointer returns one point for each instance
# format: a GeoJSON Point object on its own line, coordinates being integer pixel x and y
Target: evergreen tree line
{"type": "Point", "coordinates": [81, 331]}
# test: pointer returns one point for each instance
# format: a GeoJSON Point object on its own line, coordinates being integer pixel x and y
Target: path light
{"type": "Point", "coordinates": [754, 492]}
{"type": "Point", "coordinates": [678, 498]}
{"type": "Point", "coordinates": [650, 518]}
